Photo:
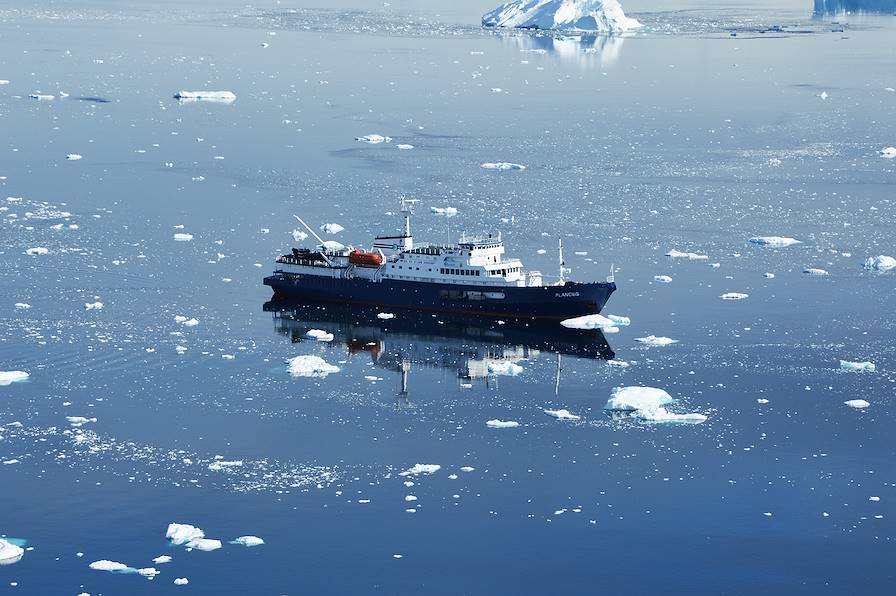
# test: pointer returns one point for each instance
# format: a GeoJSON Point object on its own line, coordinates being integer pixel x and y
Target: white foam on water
{"type": "Point", "coordinates": [309, 365]}
{"type": "Point", "coordinates": [502, 423]}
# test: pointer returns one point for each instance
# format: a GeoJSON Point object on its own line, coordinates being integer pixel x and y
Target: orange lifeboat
{"type": "Point", "coordinates": [363, 258]}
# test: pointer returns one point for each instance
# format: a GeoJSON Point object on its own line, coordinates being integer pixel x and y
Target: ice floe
{"type": "Point", "coordinates": [734, 296]}
{"type": "Point", "coordinates": [774, 241]}
{"type": "Point", "coordinates": [41, 96]}
{"type": "Point", "coordinates": [857, 403]}
{"type": "Point", "coordinates": [331, 228]}
{"type": "Point", "coordinates": [319, 335]}
{"type": "Point", "coordinates": [93, 305]}
{"type": "Point", "coordinates": [161, 559]}
{"type": "Point", "coordinates": [374, 139]}
{"type": "Point", "coordinates": [37, 250]}
{"type": "Point", "coordinates": [79, 421]}
{"type": "Point", "coordinates": [111, 566]}
{"type": "Point", "coordinates": [502, 423]}
{"type": "Point", "coordinates": [181, 581]}
{"type": "Point", "coordinates": [22, 306]}
{"type": "Point", "coordinates": [220, 96]}
{"type": "Point", "coordinates": [603, 16]}
{"type": "Point", "coordinates": [665, 279]}
{"type": "Point", "coordinates": [404, 146]}
{"type": "Point", "coordinates": [503, 165]}
{"type": "Point", "coordinates": [299, 235]}
{"type": "Point", "coordinates": [562, 414]}
{"type": "Point", "coordinates": [10, 553]}
{"type": "Point", "coordinates": [647, 404]}
{"type": "Point", "coordinates": [692, 256]}
{"type": "Point", "coordinates": [385, 315]}
{"type": "Point", "coordinates": [814, 271]}
{"type": "Point", "coordinates": [504, 368]}
{"type": "Point", "coordinates": [449, 211]}
{"type": "Point", "coordinates": [73, 157]}
{"type": "Point", "coordinates": [418, 469]}
{"type": "Point", "coordinates": [221, 464]}
{"type": "Point", "coordinates": [183, 237]}
{"type": "Point", "coordinates": [204, 544]}
{"type": "Point", "coordinates": [888, 152]}
{"type": "Point", "coordinates": [182, 533]}
{"type": "Point", "coordinates": [594, 321]}
{"type": "Point", "coordinates": [880, 262]}
{"type": "Point", "coordinates": [309, 365]}
{"type": "Point", "coordinates": [857, 366]}
{"type": "Point", "coordinates": [248, 541]}
{"type": "Point", "coordinates": [8, 377]}
{"type": "Point", "coordinates": [148, 572]}
{"type": "Point", "coordinates": [656, 341]}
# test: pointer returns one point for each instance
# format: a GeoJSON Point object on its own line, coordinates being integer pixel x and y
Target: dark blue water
{"type": "Point", "coordinates": [684, 137]}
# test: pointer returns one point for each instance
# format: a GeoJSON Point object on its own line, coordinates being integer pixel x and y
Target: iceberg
{"type": "Point", "coordinates": [310, 366]}
{"type": "Point", "coordinates": [162, 559]}
{"type": "Point", "coordinates": [814, 271]}
{"type": "Point", "coordinates": [588, 322]}
{"type": "Point", "coordinates": [249, 541]}
{"type": "Point", "coordinates": [562, 415]}
{"type": "Point", "coordinates": [447, 211]}
{"type": "Point", "coordinates": [654, 341]}
{"type": "Point", "coordinates": [374, 139]}
{"type": "Point", "coordinates": [204, 544]}
{"type": "Point", "coordinates": [111, 566]}
{"type": "Point", "coordinates": [8, 377]}
{"type": "Point", "coordinates": [734, 296]}
{"type": "Point", "coordinates": [331, 228]}
{"type": "Point", "coordinates": [219, 96]}
{"type": "Point", "coordinates": [299, 235]}
{"type": "Point", "coordinates": [10, 553]}
{"type": "Point", "coordinates": [183, 533]}
{"type": "Point", "coordinates": [418, 469]}
{"type": "Point", "coordinates": [37, 250]}
{"type": "Point", "coordinates": [502, 423]}
{"type": "Point", "coordinates": [880, 262]}
{"type": "Point", "coordinates": [604, 16]}
{"type": "Point", "coordinates": [857, 366]}
{"type": "Point", "coordinates": [637, 398]}
{"type": "Point", "coordinates": [774, 241]}
{"type": "Point", "coordinates": [857, 403]}
{"type": "Point", "coordinates": [691, 256]}
{"type": "Point", "coordinates": [181, 581]}
{"type": "Point", "coordinates": [385, 316]}
{"type": "Point", "coordinates": [888, 152]}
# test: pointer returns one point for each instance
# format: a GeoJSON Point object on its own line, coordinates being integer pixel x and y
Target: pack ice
{"type": "Point", "coordinates": [604, 16]}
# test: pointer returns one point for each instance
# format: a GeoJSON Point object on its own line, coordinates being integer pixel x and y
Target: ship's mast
{"type": "Point", "coordinates": [407, 210]}
{"type": "Point", "coordinates": [563, 269]}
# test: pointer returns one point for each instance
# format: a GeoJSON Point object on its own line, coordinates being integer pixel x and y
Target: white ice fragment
{"type": "Point", "coordinates": [857, 366]}
{"type": "Point", "coordinates": [183, 237]}
{"type": "Point", "coordinates": [249, 541]}
{"type": "Point", "coordinates": [665, 279]}
{"type": "Point", "coordinates": [183, 533]}
{"type": "Point", "coordinates": [620, 321]}
{"type": "Point", "coordinates": [656, 341]}
{"type": "Point", "coordinates": [79, 421]}
{"type": "Point", "coordinates": [191, 322]}
{"type": "Point", "coordinates": [385, 315]}
{"type": "Point", "coordinates": [330, 246]}
{"type": "Point", "coordinates": [774, 241]}
{"type": "Point", "coordinates": [162, 559]}
{"type": "Point", "coordinates": [734, 296]}
{"type": "Point", "coordinates": [93, 306]}
{"type": "Point", "coordinates": [880, 262]}
{"type": "Point", "coordinates": [562, 414]}
{"type": "Point", "coordinates": [662, 415]}
{"type": "Point", "coordinates": [181, 581]}
{"type": "Point", "coordinates": [769, 276]}
{"type": "Point", "coordinates": [447, 211]}
{"type": "Point", "coordinates": [41, 96]}
{"type": "Point", "coordinates": [148, 572]}
{"type": "Point", "coordinates": [404, 146]}
{"type": "Point", "coordinates": [37, 250]}
{"type": "Point", "coordinates": [331, 228]}
{"type": "Point", "coordinates": [9, 552]}
{"type": "Point", "coordinates": [504, 368]}
{"type": "Point", "coordinates": [619, 363]}
{"type": "Point", "coordinates": [204, 544]}
{"type": "Point", "coordinates": [374, 139]}
{"type": "Point", "coordinates": [502, 423]}
{"type": "Point", "coordinates": [219, 465]}
{"type": "Point", "coordinates": [692, 256]}
{"type": "Point", "coordinates": [888, 152]}
{"type": "Point", "coordinates": [857, 403]}
{"type": "Point", "coordinates": [814, 271]}
{"type": "Point", "coordinates": [637, 398]}
{"type": "Point", "coordinates": [875, 499]}
{"type": "Point", "coordinates": [112, 566]}
{"type": "Point", "coordinates": [299, 235]}
{"type": "Point", "coordinates": [309, 365]}
{"type": "Point", "coordinates": [8, 377]}
{"type": "Point", "coordinates": [418, 469]}
{"type": "Point", "coordinates": [221, 96]}
{"type": "Point", "coordinates": [604, 16]}
{"type": "Point", "coordinates": [503, 165]}
{"type": "Point", "coordinates": [594, 321]}
{"type": "Point", "coordinates": [73, 157]}
{"type": "Point", "coordinates": [319, 335]}
{"type": "Point", "coordinates": [410, 498]}
{"type": "Point", "coordinates": [467, 469]}
{"type": "Point", "coordinates": [761, 400]}
{"type": "Point", "coordinates": [22, 305]}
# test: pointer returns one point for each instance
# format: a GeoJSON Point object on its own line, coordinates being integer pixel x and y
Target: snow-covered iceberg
{"type": "Point", "coordinates": [647, 404]}
{"type": "Point", "coordinates": [9, 552]}
{"type": "Point", "coordinates": [8, 377]}
{"type": "Point", "coordinates": [880, 262]}
{"type": "Point", "coordinates": [603, 16]}
{"type": "Point", "coordinates": [310, 366]}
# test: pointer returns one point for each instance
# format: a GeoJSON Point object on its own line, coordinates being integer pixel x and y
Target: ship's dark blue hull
{"type": "Point", "coordinates": [546, 302]}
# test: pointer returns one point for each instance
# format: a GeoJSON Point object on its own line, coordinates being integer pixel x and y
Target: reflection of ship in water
{"type": "Point", "coordinates": [475, 348]}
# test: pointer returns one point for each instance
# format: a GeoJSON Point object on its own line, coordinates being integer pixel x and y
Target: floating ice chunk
{"type": "Point", "coordinates": [880, 262]}
{"type": "Point", "coordinates": [319, 335]}
{"type": "Point", "coordinates": [22, 305]}
{"type": "Point", "coordinates": [111, 566]}
{"type": "Point", "coordinates": [385, 315]}
{"type": "Point", "coordinates": [620, 321]}
{"type": "Point", "coordinates": [857, 403]}
{"type": "Point", "coordinates": [503, 165]}
{"type": "Point", "coordinates": [4, 81]}
{"type": "Point", "coordinates": [467, 469]}
{"type": "Point", "coordinates": [404, 146]}
{"type": "Point", "coordinates": [10, 553]}
{"type": "Point", "coordinates": [875, 499]}
{"type": "Point", "coordinates": [331, 228]}
{"type": "Point", "coordinates": [8, 377]}
{"type": "Point", "coordinates": [619, 363]}
{"type": "Point", "coordinates": [37, 250]}
{"type": "Point", "coordinates": [769, 276]}
{"type": "Point", "coordinates": [502, 423]}
{"type": "Point", "coordinates": [604, 16]}
{"type": "Point", "coordinates": [449, 211]}
{"type": "Point", "coordinates": [79, 421]}
{"type": "Point", "coordinates": [183, 237]}
{"type": "Point", "coordinates": [332, 245]}
{"type": "Point", "coordinates": [761, 400]}
{"type": "Point", "coordinates": [774, 241]}
{"type": "Point", "coordinates": [888, 152]}
{"type": "Point", "coordinates": [181, 581]}
{"type": "Point", "coordinates": [504, 368]}
{"type": "Point", "coordinates": [162, 559]}
{"type": "Point", "coordinates": [374, 139]}
{"type": "Point", "coordinates": [665, 279]}
{"type": "Point", "coordinates": [299, 235]}
{"type": "Point", "coordinates": [249, 541]}
{"type": "Point", "coordinates": [204, 544]}
{"type": "Point", "coordinates": [93, 306]}
{"type": "Point", "coordinates": [418, 469]}
{"type": "Point", "coordinates": [857, 366]}
{"type": "Point", "coordinates": [219, 465]}
{"type": "Point", "coordinates": [73, 157]}
{"type": "Point", "coordinates": [41, 96]}
{"type": "Point", "coordinates": [191, 322]}
{"type": "Point", "coordinates": [148, 572]}
{"type": "Point", "coordinates": [692, 256]}
{"type": "Point", "coordinates": [309, 365]}
{"type": "Point", "coordinates": [183, 533]}
{"type": "Point", "coordinates": [656, 341]}
{"type": "Point", "coordinates": [562, 414]}
{"type": "Point", "coordinates": [662, 415]}
{"type": "Point", "coordinates": [594, 321]}
{"type": "Point", "coordinates": [637, 398]}
{"type": "Point", "coordinates": [734, 296]}
{"type": "Point", "coordinates": [814, 271]}
{"type": "Point", "coordinates": [222, 96]}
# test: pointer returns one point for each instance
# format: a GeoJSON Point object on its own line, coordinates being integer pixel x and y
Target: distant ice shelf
{"type": "Point", "coordinates": [602, 16]}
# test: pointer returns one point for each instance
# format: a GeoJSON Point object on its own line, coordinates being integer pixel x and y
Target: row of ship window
{"type": "Point", "coordinates": [471, 272]}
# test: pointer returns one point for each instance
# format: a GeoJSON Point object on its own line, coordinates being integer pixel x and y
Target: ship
{"type": "Point", "coordinates": [471, 277]}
